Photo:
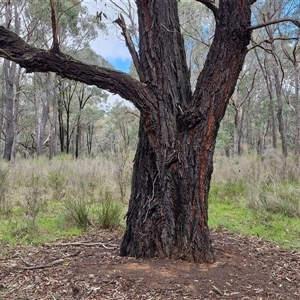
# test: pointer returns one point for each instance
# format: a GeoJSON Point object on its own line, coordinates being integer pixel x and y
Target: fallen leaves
{"type": "Point", "coordinates": [246, 268]}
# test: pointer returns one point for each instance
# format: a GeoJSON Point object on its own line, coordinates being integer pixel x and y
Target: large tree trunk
{"type": "Point", "coordinates": [167, 214]}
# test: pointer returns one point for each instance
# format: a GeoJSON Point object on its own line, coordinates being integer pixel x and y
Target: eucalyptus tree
{"type": "Point", "coordinates": [197, 27]}
{"type": "Point", "coordinates": [269, 49]}
{"type": "Point", "coordinates": [12, 74]}
{"type": "Point", "coordinates": [119, 139]}
{"type": "Point", "coordinates": [291, 51]}
{"type": "Point", "coordinates": [31, 20]}
{"type": "Point", "coordinates": [168, 208]}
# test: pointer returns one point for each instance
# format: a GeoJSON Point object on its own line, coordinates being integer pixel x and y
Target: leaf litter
{"type": "Point", "coordinates": [90, 267]}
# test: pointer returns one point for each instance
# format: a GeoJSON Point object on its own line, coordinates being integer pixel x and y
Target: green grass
{"type": "Point", "coordinates": [247, 196]}
{"type": "Point", "coordinates": [235, 215]}
{"type": "Point", "coordinates": [47, 228]}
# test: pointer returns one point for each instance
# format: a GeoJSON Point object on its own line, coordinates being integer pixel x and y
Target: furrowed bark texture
{"type": "Point", "coordinates": [167, 214]}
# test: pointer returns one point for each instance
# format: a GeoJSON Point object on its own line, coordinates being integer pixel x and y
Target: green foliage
{"type": "Point", "coordinates": [277, 198]}
{"type": "Point", "coordinates": [4, 187]}
{"type": "Point", "coordinates": [228, 192]}
{"type": "Point", "coordinates": [256, 197]}
{"type": "Point", "coordinates": [34, 197]}
{"type": "Point", "coordinates": [237, 217]}
{"type": "Point", "coordinates": [247, 195]}
{"type": "Point", "coordinates": [57, 182]}
{"type": "Point", "coordinates": [76, 213]}
{"type": "Point", "coordinates": [109, 214]}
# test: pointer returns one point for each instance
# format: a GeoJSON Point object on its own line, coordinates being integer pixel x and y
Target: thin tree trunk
{"type": "Point", "coordinates": [89, 138]}
{"type": "Point", "coordinates": [43, 105]}
{"type": "Point", "coordinates": [9, 75]}
{"type": "Point", "coordinates": [268, 80]}
{"type": "Point", "coordinates": [53, 123]}
{"type": "Point", "coordinates": [2, 107]}
{"type": "Point", "coordinates": [78, 137]}
{"type": "Point", "coordinates": [297, 113]}
{"type": "Point", "coordinates": [273, 120]}
{"type": "Point", "coordinates": [9, 72]}
{"type": "Point", "coordinates": [281, 128]}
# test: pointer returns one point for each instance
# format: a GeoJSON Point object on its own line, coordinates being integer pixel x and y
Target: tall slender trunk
{"type": "Point", "coordinates": [9, 73]}
{"type": "Point", "coordinates": [268, 80]}
{"type": "Point", "coordinates": [89, 138]}
{"type": "Point", "coordinates": [54, 123]}
{"type": "Point", "coordinates": [2, 106]}
{"type": "Point", "coordinates": [78, 137]}
{"type": "Point", "coordinates": [273, 121]}
{"type": "Point", "coordinates": [297, 113]}
{"type": "Point", "coordinates": [281, 128]}
{"type": "Point", "coordinates": [42, 111]}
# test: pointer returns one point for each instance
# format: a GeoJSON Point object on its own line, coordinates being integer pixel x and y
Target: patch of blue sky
{"type": "Point", "coordinates": [121, 64]}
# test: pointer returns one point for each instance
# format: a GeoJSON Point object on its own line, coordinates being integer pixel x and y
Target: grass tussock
{"type": "Point", "coordinates": [46, 199]}
{"type": "Point", "coordinates": [43, 200]}
{"type": "Point", "coordinates": [257, 196]}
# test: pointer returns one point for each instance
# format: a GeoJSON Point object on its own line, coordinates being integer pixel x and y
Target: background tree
{"type": "Point", "coordinates": [38, 93]}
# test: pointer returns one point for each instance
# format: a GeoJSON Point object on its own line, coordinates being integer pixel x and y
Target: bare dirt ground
{"type": "Point", "coordinates": [90, 268]}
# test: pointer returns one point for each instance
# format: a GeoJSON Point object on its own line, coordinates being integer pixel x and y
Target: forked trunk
{"type": "Point", "coordinates": [168, 209]}
{"type": "Point", "coordinates": [167, 215]}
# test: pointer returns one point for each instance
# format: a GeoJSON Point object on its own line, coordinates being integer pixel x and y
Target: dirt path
{"type": "Point", "coordinates": [90, 268]}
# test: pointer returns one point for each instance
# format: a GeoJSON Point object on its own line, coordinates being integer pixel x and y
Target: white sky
{"type": "Point", "coordinates": [110, 46]}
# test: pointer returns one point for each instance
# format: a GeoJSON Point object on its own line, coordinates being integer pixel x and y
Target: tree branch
{"type": "Point", "coordinates": [130, 45]}
{"type": "Point", "coordinates": [55, 46]}
{"type": "Point", "coordinates": [33, 59]}
{"type": "Point", "coordinates": [210, 4]}
{"type": "Point", "coordinates": [272, 41]}
{"type": "Point", "coordinates": [294, 21]}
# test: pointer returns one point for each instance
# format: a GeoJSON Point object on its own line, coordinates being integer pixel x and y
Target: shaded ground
{"type": "Point", "coordinates": [246, 268]}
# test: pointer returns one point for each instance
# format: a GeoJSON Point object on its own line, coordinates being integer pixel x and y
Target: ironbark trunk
{"type": "Point", "coordinates": [167, 215]}
{"type": "Point", "coordinates": [168, 209]}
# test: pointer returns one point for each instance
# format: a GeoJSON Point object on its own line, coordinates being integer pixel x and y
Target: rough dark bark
{"type": "Point", "coordinates": [168, 209]}
{"type": "Point", "coordinates": [167, 214]}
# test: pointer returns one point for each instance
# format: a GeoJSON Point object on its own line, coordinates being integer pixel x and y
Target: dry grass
{"type": "Point", "coordinates": [272, 183]}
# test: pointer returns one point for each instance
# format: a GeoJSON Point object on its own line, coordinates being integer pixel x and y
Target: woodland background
{"type": "Point", "coordinates": [62, 141]}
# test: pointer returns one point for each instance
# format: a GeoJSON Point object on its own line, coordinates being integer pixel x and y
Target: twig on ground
{"type": "Point", "coordinates": [30, 266]}
{"type": "Point", "coordinates": [217, 290]}
{"type": "Point", "coordinates": [87, 244]}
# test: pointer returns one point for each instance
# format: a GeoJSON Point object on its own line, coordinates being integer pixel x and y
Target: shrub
{"type": "Point", "coordinates": [57, 181]}
{"type": "Point", "coordinates": [34, 197]}
{"type": "Point", "coordinates": [76, 213]}
{"type": "Point", "coordinates": [109, 214]}
{"type": "Point", "coordinates": [4, 186]}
